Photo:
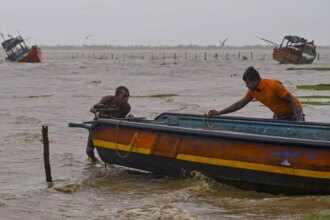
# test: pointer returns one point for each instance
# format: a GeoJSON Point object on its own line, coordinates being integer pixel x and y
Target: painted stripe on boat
{"type": "Point", "coordinates": [221, 162]}
{"type": "Point", "coordinates": [255, 166]}
{"type": "Point", "coordinates": [123, 147]}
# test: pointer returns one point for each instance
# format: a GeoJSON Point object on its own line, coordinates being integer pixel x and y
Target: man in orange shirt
{"type": "Point", "coordinates": [269, 92]}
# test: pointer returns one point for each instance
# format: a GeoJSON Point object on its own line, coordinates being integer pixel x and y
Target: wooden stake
{"type": "Point", "coordinates": [46, 153]}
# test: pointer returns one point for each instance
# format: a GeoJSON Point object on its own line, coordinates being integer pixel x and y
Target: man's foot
{"type": "Point", "coordinates": [93, 158]}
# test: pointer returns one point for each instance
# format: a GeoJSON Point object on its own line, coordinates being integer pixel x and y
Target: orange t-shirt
{"type": "Point", "coordinates": [271, 95]}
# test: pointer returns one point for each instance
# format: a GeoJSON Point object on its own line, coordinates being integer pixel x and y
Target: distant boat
{"type": "Point", "coordinates": [266, 155]}
{"type": "Point", "coordinates": [295, 50]}
{"type": "Point", "coordinates": [18, 51]}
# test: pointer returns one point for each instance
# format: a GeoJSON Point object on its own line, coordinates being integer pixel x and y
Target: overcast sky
{"type": "Point", "coordinates": [166, 22]}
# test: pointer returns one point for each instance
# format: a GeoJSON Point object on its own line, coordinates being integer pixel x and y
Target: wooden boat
{"type": "Point", "coordinates": [265, 155]}
{"type": "Point", "coordinates": [18, 51]}
{"type": "Point", "coordinates": [295, 50]}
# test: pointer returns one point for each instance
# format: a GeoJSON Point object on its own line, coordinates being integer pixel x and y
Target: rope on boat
{"type": "Point", "coordinates": [133, 141]}
{"type": "Point", "coordinates": [207, 124]}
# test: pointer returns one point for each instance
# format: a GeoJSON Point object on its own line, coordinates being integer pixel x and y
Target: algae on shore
{"type": "Point", "coordinates": [165, 95]}
{"type": "Point", "coordinates": [314, 103]}
{"type": "Point", "coordinates": [314, 97]}
{"type": "Point", "coordinates": [314, 87]}
{"type": "Point", "coordinates": [310, 68]}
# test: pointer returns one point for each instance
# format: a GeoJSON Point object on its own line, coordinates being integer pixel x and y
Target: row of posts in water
{"type": "Point", "coordinates": [195, 56]}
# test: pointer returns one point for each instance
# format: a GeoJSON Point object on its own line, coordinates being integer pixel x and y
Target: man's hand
{"type": "Point", "coordinates": [99, 107]}
{"type": "Point", "coordinates": [213, 112]}
{"type": "Point", "coordinates": [130, 116]}
{"type": "Point", "coordinates": [93, 110]}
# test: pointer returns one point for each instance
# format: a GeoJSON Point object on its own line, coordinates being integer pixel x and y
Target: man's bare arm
{"type": "Point", "coordinates": [234, 107]}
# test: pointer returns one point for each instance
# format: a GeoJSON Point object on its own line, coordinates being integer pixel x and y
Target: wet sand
{"type": "Point", "coordinates": [62, 88]}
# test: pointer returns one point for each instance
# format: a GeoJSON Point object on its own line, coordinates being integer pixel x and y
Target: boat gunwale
{"type": "Point", "coordinates": [320, 124]}
{"type": "Point", "coordinates": [237, 136]}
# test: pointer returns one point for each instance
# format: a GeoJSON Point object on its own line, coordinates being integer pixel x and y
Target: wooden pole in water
{"type": "Point", "coordinates": [46, 153]}
{"type": "Point", "coordinates": [318, 56]}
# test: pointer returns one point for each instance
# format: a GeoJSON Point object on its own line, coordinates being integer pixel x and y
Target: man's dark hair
{"type": "Point", "coordinates": [120, 90]}
{"type": "Point", "coordinates": [251, 74]}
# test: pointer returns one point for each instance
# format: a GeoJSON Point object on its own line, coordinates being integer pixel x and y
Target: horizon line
{"type": "Point", "coordinates": [166, 46]}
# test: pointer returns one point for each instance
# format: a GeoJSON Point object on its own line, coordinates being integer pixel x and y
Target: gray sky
{"type": "Point", "coordinates": [166, 22]}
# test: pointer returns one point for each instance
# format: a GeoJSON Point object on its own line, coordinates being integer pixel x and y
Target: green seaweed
{"type": "Point", "coordinates": [314, 103]}
{"type": "Point", "coordinates": [314, 87]}
{"type": "Point", "coordinates": [310, 68]}
{"type": "Point", "coordinates": [317, 217]}
{"type": "Point", "coordinates": [33, 96]}
{"type": "Point", "coordinates": [314, 97]}
{"type": "Point", "coordinates": [165, 95]}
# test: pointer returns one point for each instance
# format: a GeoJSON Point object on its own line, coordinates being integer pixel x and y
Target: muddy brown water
{"type": "Point", "coordinates": [62, 88]}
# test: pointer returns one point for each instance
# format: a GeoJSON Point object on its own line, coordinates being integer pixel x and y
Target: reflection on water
{"type": "Point", "coordinates": [67, 83]}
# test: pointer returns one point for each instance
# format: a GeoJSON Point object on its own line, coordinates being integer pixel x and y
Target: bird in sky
{"type": "Point", "coordinates": [222, 43]}
{"type": "Point", "coordinates": [88, 36]}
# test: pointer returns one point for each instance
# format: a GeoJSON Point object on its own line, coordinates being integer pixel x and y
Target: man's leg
{"type": "Point", "coordinates": [90, 148]}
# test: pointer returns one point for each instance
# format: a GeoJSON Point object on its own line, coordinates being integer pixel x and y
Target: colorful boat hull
{"type": "Point", "coordinates": [179, 145]}
{"type": "Point", "coordinates": [17, 51]}
{"type": "Point", "coordinates": [295, 50]}
{"type": "Point", "coordinates": [32, 56]}
{"type": "Point", "coordinates": [289, 58]}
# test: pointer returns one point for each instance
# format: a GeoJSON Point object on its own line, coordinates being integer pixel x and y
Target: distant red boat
{"type": "Point", "coordinates": [295, 50]}
{"type": "Point", "coordinates": [18, 51]}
